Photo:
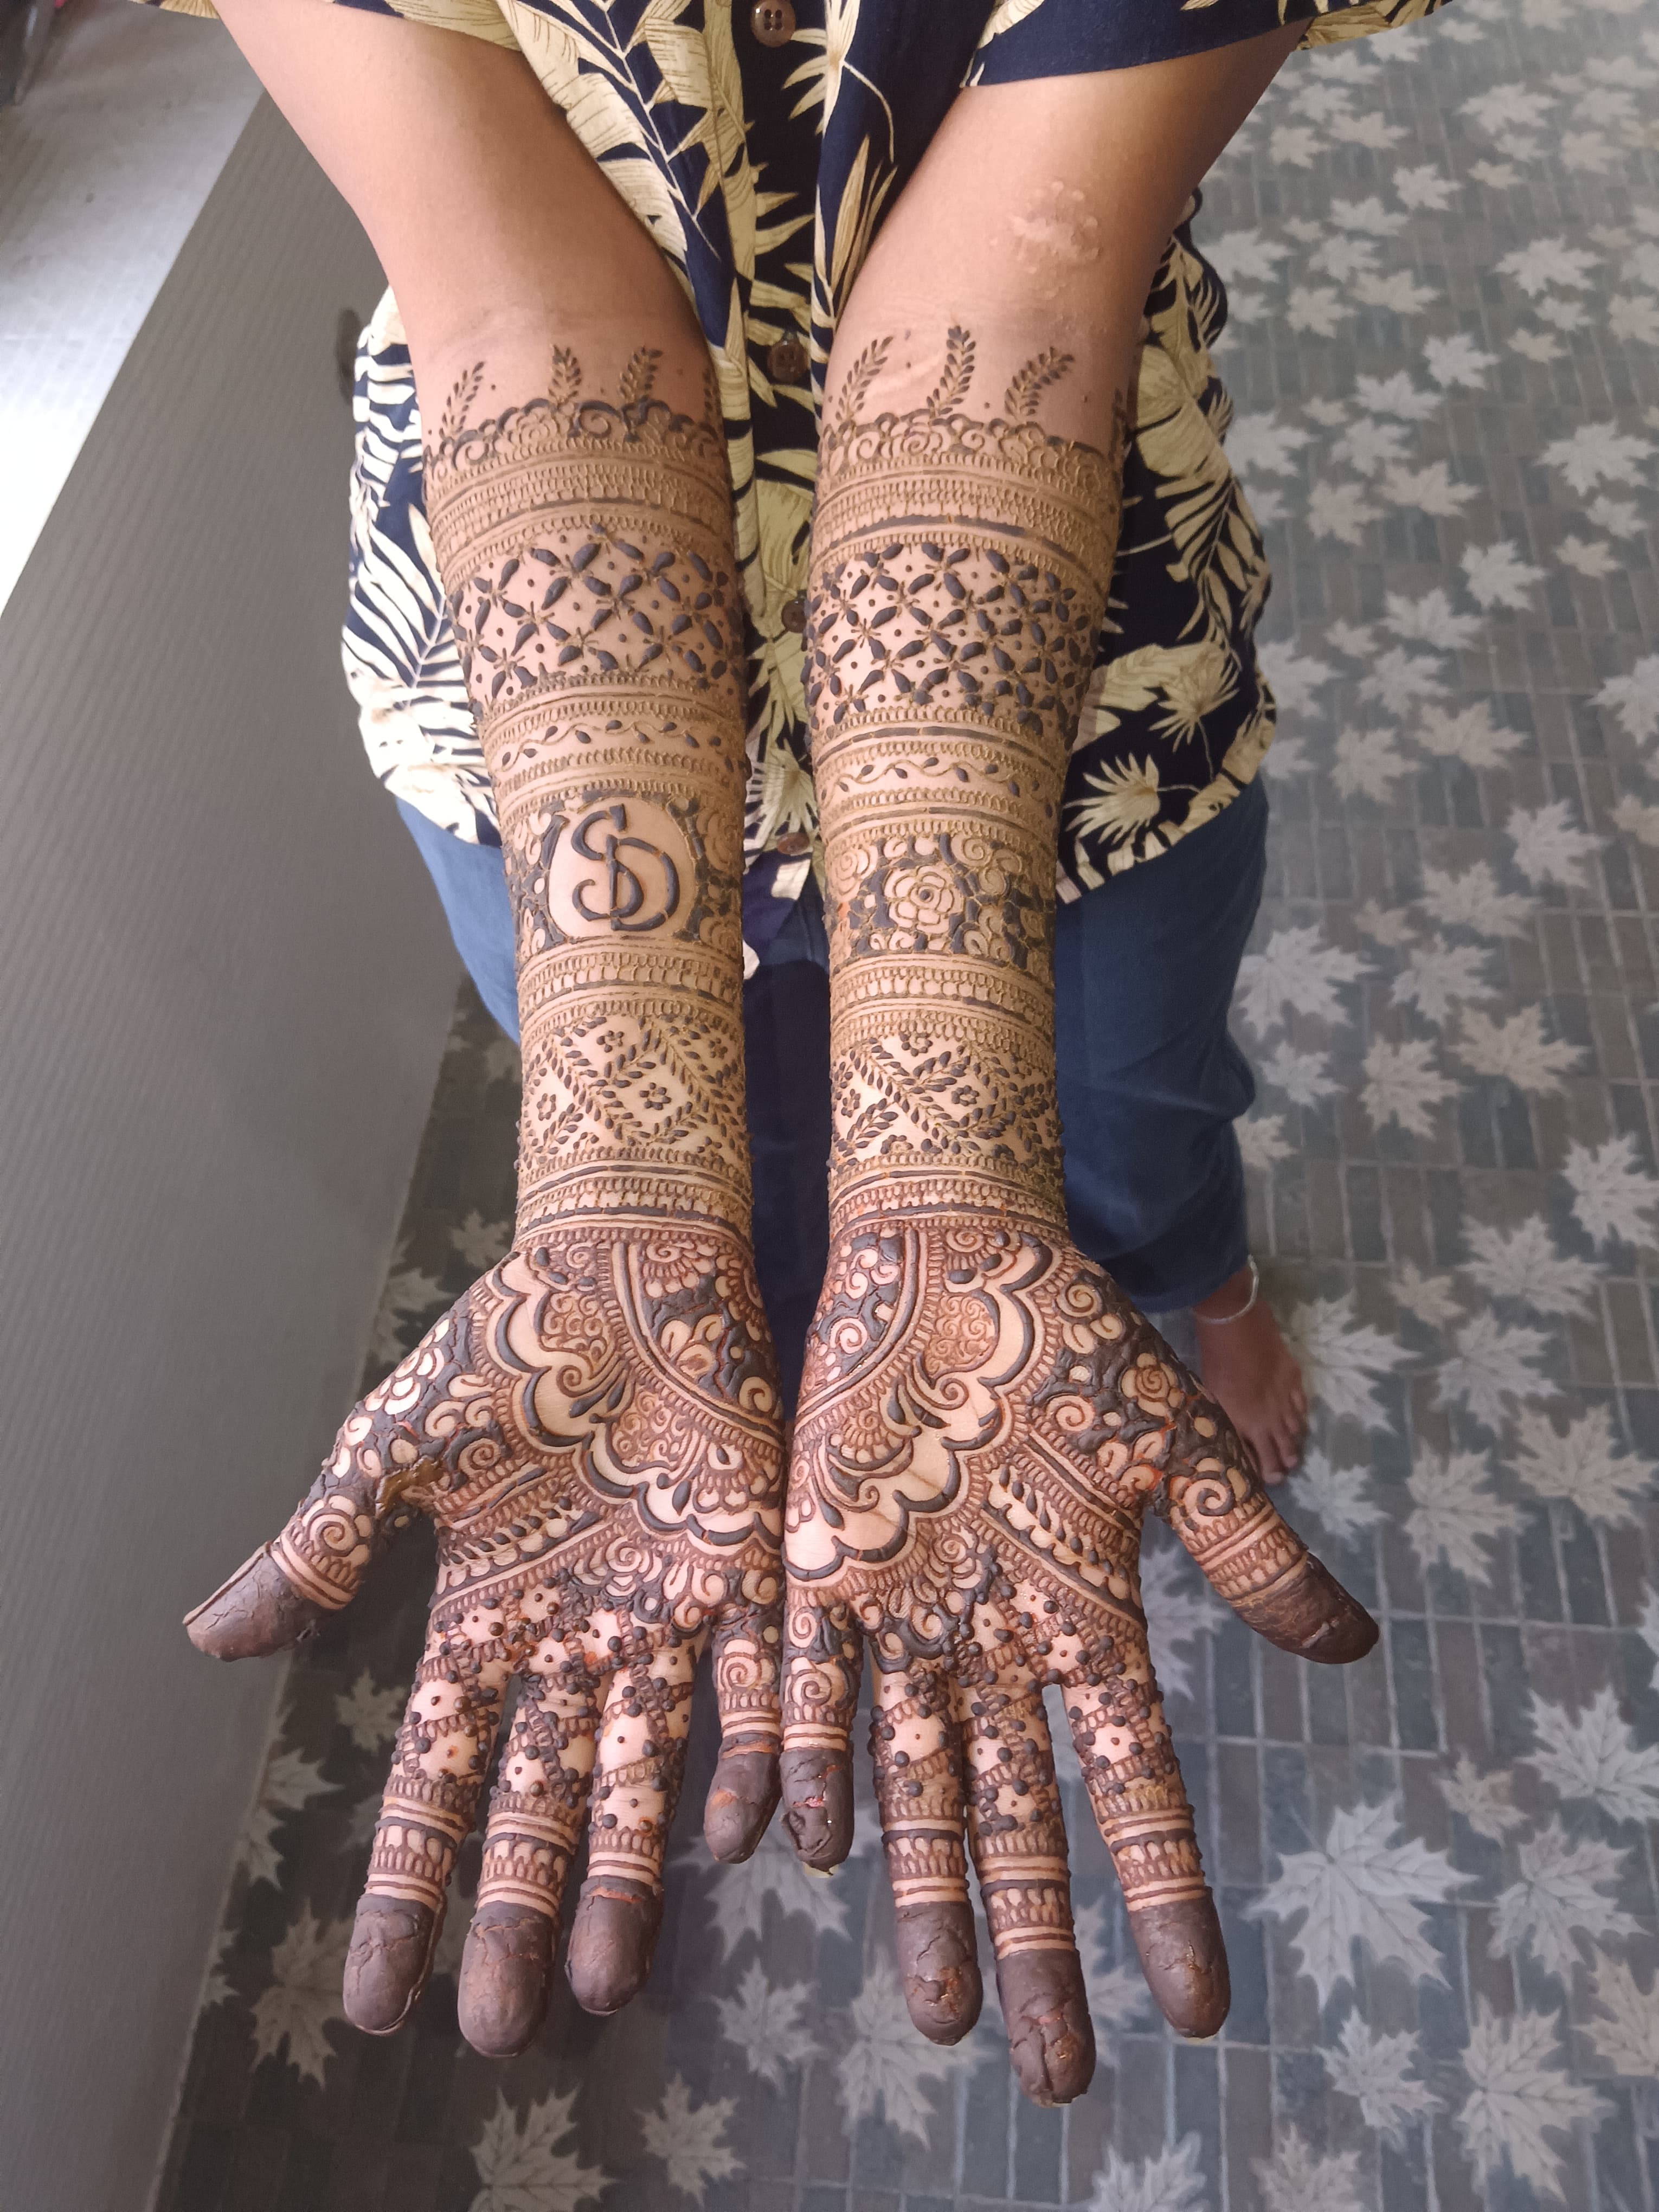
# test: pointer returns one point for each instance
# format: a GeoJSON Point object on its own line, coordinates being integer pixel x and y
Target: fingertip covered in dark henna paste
{"type": "Point", "coordinates": [818, 1805]}
{"type": "Point", "coordinates": [258, 1611]}
{"type": "Point", "coordinates": [506, 1977]}
{"type": "Point", "coordinates": [1185, 1963]}
{"type": "Point", "coordinates": [742, 1799]}
{"type": "Point", "coordinates": [939, 1969]}
{"type": "Point", "coordinates": [387, 1967]}
{"type": "Point", "coordinates": [1051, 2037]}
{"type": "Point", "coordinates": [612, 1943]}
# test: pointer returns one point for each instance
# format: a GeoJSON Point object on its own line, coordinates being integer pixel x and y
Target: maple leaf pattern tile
{"type": "Point", "coordinates": [1441, 250]}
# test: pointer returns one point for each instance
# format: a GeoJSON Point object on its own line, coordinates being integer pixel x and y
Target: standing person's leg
{"type": "Point", "coordinates": [1151, 1082]}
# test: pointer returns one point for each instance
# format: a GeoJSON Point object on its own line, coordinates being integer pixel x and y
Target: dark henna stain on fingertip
{"type": "Point", "coordinates": [817, 1800]}
{"type": "Point", "coordinates": [257, 1612]}
{"type": "Point", "coordinates": [388, 1965]}
{"type": "Point", "coordinates": [1185, 1962]}
{"type": "Point", "coordinates": [1051, 2037]}
{"type": "Point", "coordinates": [938, 1967]}
{"type": "Point", "coordinates": [1307, 1612]}
{"type": "Point", "coordinates": [742, 1799]}
{"type": "Point", "coordinates": [612, 1943]}
{"type": "Point", "coordinates": [506, 1976]}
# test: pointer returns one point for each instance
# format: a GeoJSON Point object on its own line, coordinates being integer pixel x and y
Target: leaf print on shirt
{"type": "Point", "coordinates": [1519, 2097]}
{"type": "Point", "coordinates": [526, 2165]}
{"type": "Point", "coordinates": [1360, 1887]}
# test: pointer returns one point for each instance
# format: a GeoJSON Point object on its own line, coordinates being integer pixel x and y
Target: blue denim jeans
{"type": "Point", "coordinates": [1151, 1082]}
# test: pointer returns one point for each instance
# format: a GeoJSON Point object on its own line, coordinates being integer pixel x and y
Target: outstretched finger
{"type": "Point", "coordinates": [426, 1813]}
{"type": "Point", "coordinates": [536, 1816]}
{"type": "Point", "coordinates": [427, 1414]}
{"type": "Point", "coordinates": [1017, 1832]}
{"type": "Point", "coordinates": [744, 1794]}
{"type": "Point", "coordinates": [821, 1663]}
{"type": "Point", "coordinates": [636, 1786]}
{"type": "Point", "coordinates": [915, 1746]}
{"type": "Point", "coordinates": [1145, 1821]}
{"type": "Point", "coordinates": [1249, 1554]}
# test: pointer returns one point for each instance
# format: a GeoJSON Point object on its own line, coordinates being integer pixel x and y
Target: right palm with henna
{"type": "Point", "coordinates": [595, 1428]}
{"type": "Point", "coordinates": [984, 1420]}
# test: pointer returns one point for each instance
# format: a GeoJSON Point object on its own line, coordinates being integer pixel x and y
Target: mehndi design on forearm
{"type": "Point", "coordinates": [984, 1418]}
{"type": "Point", "coordinates": [587, 549]}
{"type": "Point", "coordinates": [596, 1426]}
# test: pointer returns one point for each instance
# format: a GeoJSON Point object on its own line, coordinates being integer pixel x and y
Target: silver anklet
{"type": "Point", "coordinates": [1224, 1321]}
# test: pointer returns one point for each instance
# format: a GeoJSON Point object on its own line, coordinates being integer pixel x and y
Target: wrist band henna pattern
{"type": "Point", "coordinates": [586, 546]}
{"type": "Point", "coordinates": [984, 1418]}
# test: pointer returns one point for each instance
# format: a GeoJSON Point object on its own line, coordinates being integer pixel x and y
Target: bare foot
{"type": "Point", "coordinates": [1250, 1368]}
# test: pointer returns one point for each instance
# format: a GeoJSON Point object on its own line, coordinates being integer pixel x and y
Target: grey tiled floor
{"type": "Point", "coordinates": [1436, 1870]}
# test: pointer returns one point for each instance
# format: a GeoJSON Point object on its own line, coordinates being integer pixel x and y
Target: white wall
{"type": "Point", "coordinates": [224, 986]}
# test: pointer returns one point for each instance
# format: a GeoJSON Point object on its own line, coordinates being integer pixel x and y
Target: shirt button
{"type": "Point", "coordinates": [792, 614]}
{"type": "Point", "coordinates": [773, 21]}
{"type": "Point", "coordinates": [786, 361]}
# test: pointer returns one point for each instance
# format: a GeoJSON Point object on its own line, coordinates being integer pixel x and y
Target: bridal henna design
{"type": "Point", "coordinates": [984, 1418]}
{"type": "Point", "coordinates": [596, 1426]}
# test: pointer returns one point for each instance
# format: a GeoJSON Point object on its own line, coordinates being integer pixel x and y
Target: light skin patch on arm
{"type": "Point", "coordinates": [1056, 231]}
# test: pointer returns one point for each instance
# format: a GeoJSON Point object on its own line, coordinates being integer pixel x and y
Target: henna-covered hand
{"type": "Point", "coordinates": [984, 1420]}
{"type": "Point", "coordinates": [595, 1430]}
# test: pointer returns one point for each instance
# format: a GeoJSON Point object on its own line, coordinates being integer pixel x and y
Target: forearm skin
{"type": "Point", "coordinates": [960, 569]}
{"type": "Point", "coordinates": [586, 549]}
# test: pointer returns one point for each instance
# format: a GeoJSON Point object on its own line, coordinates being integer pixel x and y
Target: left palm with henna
{"type": "Point", "coordinates": [594, 1430]}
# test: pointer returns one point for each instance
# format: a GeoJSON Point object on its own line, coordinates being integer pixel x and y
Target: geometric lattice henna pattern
{"type": "Point", "coordinates": [984, 1418]}
{"type": "Point", "coordinates": [595, 1427]}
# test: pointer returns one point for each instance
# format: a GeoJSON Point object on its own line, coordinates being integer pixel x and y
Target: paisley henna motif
{"type": "Point", "coordinates": [596, 1427]}
{"type": "Point", "coordinates": [984, 1418]}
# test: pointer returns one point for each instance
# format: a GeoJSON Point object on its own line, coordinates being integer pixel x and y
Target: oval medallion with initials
{"type": "Point", "coordinates": [622, 868]}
